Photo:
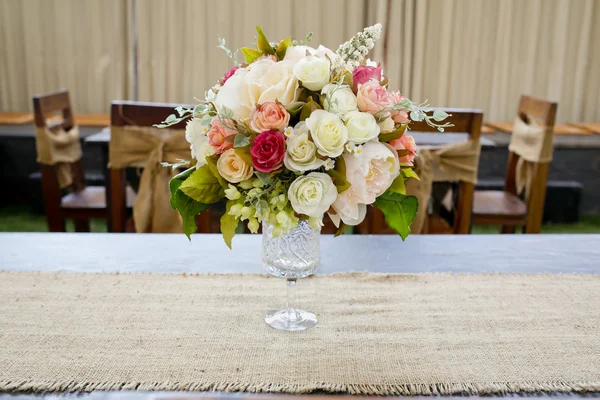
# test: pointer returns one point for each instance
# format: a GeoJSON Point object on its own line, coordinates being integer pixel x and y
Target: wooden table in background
{"type": "Point", "coordinates": [172, 253]}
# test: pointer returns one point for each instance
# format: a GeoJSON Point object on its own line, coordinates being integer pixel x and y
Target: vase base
{"type": "Point", "coordinates": [290, 319]}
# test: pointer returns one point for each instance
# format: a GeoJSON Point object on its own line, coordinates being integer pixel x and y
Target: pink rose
{"type": "Point", "coordinates": [400, 116]}
{"type": "Point", "coordinates": [270, 115]}
{"type": "Point", "coordinates": [229, 73]}
{"type": "Point", "coordinates": [217, 134]}
{"type": "Point", "coordinates": [406, 142]}
{"type": "Point", "coordinates": [364, 74]}
{"type": "Point", "coordinates": [268, 151]}
{"type": "Point", "coordinates": [371, 97]}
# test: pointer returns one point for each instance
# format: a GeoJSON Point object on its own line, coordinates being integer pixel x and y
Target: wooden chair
{"type": "Point", "coordinates": [141, 114]}
{"type": "Point", "coordinates": [81, 203]}
{"type": "Point", "coordinates": [464, 120]}
{"type": "Point", "coordinates": [506, 208]}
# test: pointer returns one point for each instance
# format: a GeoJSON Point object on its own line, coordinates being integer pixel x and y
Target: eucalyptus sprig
{"type": "Point", "coordinates": [232, 56]}
{"type": "Point", "coordinates": [184, 113]}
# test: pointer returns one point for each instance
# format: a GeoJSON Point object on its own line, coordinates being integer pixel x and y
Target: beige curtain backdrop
{"type": "Point", "coordinates": [485, 54]}
{"type": "Point", "coordinates": [460, 53]}
{"type": "Point", "coordinates": [79, 45]}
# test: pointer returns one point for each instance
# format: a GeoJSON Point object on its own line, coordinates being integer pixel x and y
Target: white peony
{"type": "Point", "coordinates": [370, 174]}
{"type": "Point", "coordinates": [262, 81]}
{"type": "Point", "coordinates": [362, 127]}
{"type": "Point", "coordinates": [328, 132]}
{"type": "Point", "coordinates": [312, 194]}
{"type": "Point", "coordinates": [313, 72]}
{"type": "Point", "coordinates": [338, 100]}
{"type": "Point", "coordinates": [295, 53]}
{"type": "Point", "coordinates": [195, 134]}
{"type": "Point", "coordinates": [301, 152]}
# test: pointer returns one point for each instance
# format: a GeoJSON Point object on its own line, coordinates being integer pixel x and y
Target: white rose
{"type": "Point", "coordinates": [370, 174]}
{"type": "Point", "coordinates": [195, 134]}
{"type": "Point", "coordinates": [362, 127]}
{"type": "Point", "coordinates": [328, 132]}
{"type": "Point", "coordinates": [301, 152]}
{"type": "Point", "coordinates": [262, 81]}
{"type": "Point", "coordinates": [313, 72]}
{"type": "Point", "coordinates": [340, 100]}
{"type": "Point", "coordinates": [232, 168]}
{"type": "Point", "coordinates": [312, 194]}
{"type": "Point", "coordinates": [295, 53]}
{"type": "Point", "coordinates": [387, 125]}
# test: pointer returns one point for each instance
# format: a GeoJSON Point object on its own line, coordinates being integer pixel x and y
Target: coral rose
{"type": "Point", "coordinates": [371, 97]}
{"type": "Point", "coordinates": [364, 74]}
{"type": "Point", "coordinates": [406, 142]}
{"type": "Point", "coordinates": [268, 151]}
{"type": "Point", "coordinates": [270, 115]}
{"type": "Point", "coordinates": [217, 134]}
{"type": "Point", "coordinates": [400, 116]}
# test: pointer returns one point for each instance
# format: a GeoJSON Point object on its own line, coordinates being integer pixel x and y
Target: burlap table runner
{"type": "Point", "coordinates": [377, 334]}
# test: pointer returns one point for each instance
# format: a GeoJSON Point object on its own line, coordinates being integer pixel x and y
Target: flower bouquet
{"type": "Point", "coordinates": [297, 132]}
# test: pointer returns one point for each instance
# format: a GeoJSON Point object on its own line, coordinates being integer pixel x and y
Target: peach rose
{"type": "Point", "coordinates": [270, 115]}
{"type": "Point", "coordinates": [372, 98]}
{"type": "Point", "coordinates": [400, 116]}
{"type": "Point", "coordinates": [406, 142]}
{"type": "Point", "coordinates": [232, 168]}
{"type": "Point", "coordinates": [217, 134]}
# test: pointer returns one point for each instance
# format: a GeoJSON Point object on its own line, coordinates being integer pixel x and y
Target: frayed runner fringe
{"type": "Point", "coordinates": [490, 388]}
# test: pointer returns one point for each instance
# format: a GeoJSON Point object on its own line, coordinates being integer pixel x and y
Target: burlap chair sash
{"type": "Point", "coordinates": [452, 163]}
{"type": "Point", "coordinates": [533, 144]}
{"type": "Point", "coordinates": [59, 149]}
{"type": "Point", "coordinates": [147, 147]}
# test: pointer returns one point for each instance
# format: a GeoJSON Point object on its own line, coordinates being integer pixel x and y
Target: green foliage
{"type": "Point", "coordinates": [173, 119]}
{"type": "Point", "coordinates": [203, 186]}
{"type": "Point", "coordinates": [399, 211]}
{"type": "Point", "coordinates": [308, 108]}
{"type": "Point", "coordinates": [410, 173]}
{"type": "Point", "coordinates": [262, 43]}
{"type": "Point", "coordinates": [282, 48]}
{"type": "Point", "coordinates": [264, 177]}
{"type": "Point", "coordinates": [244, 154]}
{"type": "Point", "coordinates": [232, 56]}
{"type": "Point", "coordinates": [211, 162]}
{"type": "Point", "coordinates": [250, 54]}
{"type": "Point", "coordinates": [241, 140]}
{"type": "Point", "coordinates": [228, 224]}
{"type": "Point", "coordinates": [187, 207]}
{"type": "Point", "coordinates": [398, 185]}
{"type": "Point", "coordinates": [340, 230]}
{"type": "Point", "coordinates": [395, 134]}
{"type": "Point", "coordinates": [338, 175]}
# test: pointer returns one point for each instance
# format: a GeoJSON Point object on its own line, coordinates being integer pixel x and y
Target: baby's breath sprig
{"type": "Point", "coordinates": [354, 51]}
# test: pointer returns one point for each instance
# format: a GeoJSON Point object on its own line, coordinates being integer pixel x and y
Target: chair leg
{"type": "Point", "coordinates": [56, 223]}
{"type": "Point", "coordinates": [508, 228]}
{"type": "Point", "coordinates": [82, 225]}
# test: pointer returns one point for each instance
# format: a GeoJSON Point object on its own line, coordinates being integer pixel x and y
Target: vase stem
{"type": "Point", "coordinates": [290, 298]}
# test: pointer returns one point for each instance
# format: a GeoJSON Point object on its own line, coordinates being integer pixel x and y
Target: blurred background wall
{"type": "Point", "coordinates": [460, 53]}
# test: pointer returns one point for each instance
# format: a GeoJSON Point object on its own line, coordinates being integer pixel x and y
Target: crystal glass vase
{"type": "Point", "coordinates": [293, 255]}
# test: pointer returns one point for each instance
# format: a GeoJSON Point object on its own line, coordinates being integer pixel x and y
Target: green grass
{"type": "Point", "coordinates": [21, 219]}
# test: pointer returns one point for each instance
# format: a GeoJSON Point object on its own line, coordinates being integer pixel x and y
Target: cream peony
{"type": "Point", "coordinates": [301, 152]}
{"type": "Point", "coordinates": [328, 132]}
{"type": "Point", "coordinates": [312, 194]}
{"type": "Point", "coordinates": [313, 72]}
{"type": "Point", "coordinates": [362, 127]}
{"type": "Point", "coordinates": [232, 168]}
{"type": "Point", "coordinates": [338, 100]}
{"type": "Point", "coordinates": [195, 134]}
{"type": "Point", "coordinates": [370, 174]}
{"type": "Point", "coordinates": [296, 53]}
{"type": "Point", "coordinates": [262, 81]}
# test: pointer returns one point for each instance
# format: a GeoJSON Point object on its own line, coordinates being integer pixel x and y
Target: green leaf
{"type": "Point", "coordinates": [203, 186]}
{"type": "Point", "coordinates": [396, 134]}
{"type": "Point", "coordinates": [250, 54]}
{"type": "Point", "coordinates": [282, 48]}
{"type": "Point", "coordinates": [403, 153]}
{"type": "Point", "coordinates": [440, 115]}
{"type": "Point", "coordinates": [294, 109]}
{"type": "Point", "coordinates": [244, 154]}
{"type": "Point", "coordinates": [228, 224]}
{"type": "Point", "coordinates": [264, 177]}
{"type": "Point", "coordinates": [308, 108]}
{"type": "Point", "coordinates": [410, 173]}
{"type": "Point", "coordinates": [399, 211]}
{"type": "Point", "coordinates": [340, 230]}
{"type": "Point", "coordinates": [262, 42]}
{"type": "Point", "coordinates": [187, 207]}
{"type": "Point", "coordinates": [338, 175]}
{"type": "Point", "coordinates": [241, 140]}
{"type": "Point", "coordinates": [398, 186]}
{"type": "Point", "coordinates": [212, 165]}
